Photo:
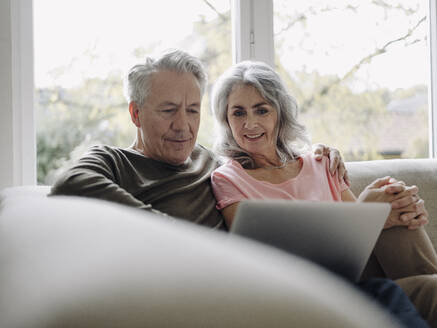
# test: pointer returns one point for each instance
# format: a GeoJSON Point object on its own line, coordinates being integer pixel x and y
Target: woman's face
{"type": "Point", "coordinates": [252, 121]}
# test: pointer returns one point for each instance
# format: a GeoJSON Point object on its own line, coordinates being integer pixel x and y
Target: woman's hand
{"type": "Point", "coordinates": [335, 160]}
{"type": "Point", "coordinates": [411, 209]}
{"type": "Point", "coordinates": [407, 207]}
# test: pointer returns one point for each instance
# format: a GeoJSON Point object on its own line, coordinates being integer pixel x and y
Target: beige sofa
{"type": "Point", "coordinates": [76, 262]}
{"type": "Point", "coordinates": [420, 172]}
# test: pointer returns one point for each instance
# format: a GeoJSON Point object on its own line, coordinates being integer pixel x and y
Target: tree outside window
{"type": "Point", "coordinates": [84, 48]}
{"type": "Point", "coordinates": [359, 70]}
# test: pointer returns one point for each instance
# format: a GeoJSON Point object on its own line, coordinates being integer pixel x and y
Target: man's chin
{"type": "Point", "coordinates": [180, 158]}
{"type": "Point", "coordinates": [177, 161]}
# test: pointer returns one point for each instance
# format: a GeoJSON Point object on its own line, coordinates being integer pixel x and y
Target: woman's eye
{"type": "Point", "coordinates": [262, 111]}
{"type": "Point", "coordinates": [238, 113]}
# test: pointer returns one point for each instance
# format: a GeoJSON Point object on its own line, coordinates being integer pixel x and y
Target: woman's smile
{"type": "Point", "coordinates": [254, 137]}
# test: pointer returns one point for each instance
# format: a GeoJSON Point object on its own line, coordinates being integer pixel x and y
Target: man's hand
{"type": "Point", "coordinates": [335, 160]}
{"type": "Point", "coordinates": [407, 207]}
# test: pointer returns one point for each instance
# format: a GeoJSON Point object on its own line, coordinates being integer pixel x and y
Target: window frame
{"type": "Point", "coordinates": [252, 31]}
{"type": "Point", "coordinates": [252, 38]}
{"type": "Point", "coordinates": [432, 82]}
{"type": "Point", "coordinates": [19, 148]}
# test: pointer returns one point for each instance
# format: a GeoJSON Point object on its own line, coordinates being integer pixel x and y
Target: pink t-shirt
{"type": "Point", "coordinates": [231, 184]}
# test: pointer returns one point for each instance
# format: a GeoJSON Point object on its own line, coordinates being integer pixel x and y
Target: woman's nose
{"type": "Point", "coordinates": [251, 122]}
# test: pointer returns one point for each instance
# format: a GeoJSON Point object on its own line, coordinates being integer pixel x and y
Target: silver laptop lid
{"type": "Point", "coordinates": [337, 235]}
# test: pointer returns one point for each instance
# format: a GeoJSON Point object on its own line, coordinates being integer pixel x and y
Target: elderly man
{"type": "Point", "coordinates": [164, 170]}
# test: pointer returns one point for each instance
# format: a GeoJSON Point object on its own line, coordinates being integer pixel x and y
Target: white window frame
{"type": "Point", "coordinates": [432, 86]}
{"type": "Point", "coordinates": [252, 31]}
{"type": "Point", "coordinates": [252, 36]}
{"type": "Point", "coordinates": [17, 127]}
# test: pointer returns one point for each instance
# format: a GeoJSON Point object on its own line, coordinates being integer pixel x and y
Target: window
{"type": "Point", "coordinates": [359, 70]}
{"type": "Point", "coordinates": [59, 29]}
{"type": "Point", "coordinates": [84, 48]}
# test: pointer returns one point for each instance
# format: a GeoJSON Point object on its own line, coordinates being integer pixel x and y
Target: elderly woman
{"type": "Point", "coordinates": [266, 150]}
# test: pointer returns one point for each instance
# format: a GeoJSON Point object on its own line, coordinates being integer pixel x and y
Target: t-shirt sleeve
{"type": "Point", "coordinates": [94, 176]}
{"type": "Point", "coordinates": [225, 191]}
{"type": "Point", "coordinates": [343, 185]}
{"type": "Point", "coordinates": [339, 185]}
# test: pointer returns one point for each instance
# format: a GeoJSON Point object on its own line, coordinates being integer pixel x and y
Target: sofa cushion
{"type": "Point", "coordinates": [420, 172]}
{"type": "Point", "coordinates": [76, 262]}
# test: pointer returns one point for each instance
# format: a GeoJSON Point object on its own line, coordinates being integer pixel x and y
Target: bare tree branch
{"type": "Point", "coordinates": [224, 18]}
{"type": "Point", "coordinates": [385, 5]}
{"type": "Point", "coordinates": [367, 59]}
{"type": "Point", "coordinates": [311, 12]}
{"type": "Point", "coordinates": [291, 23]}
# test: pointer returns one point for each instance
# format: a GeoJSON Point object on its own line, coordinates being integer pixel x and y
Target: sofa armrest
{"type": "Point", "coordinates": [78, 262]}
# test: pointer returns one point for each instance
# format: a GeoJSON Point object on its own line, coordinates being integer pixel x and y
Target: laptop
{"type": "Point", "coordinates": [337, 235]}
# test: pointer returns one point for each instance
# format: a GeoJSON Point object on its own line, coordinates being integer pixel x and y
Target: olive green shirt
{"type": "Point", "coordinates": [128, 177]}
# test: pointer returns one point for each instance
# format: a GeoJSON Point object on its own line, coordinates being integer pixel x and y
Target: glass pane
{"type": "Point", "coordinates": [84, 48]}
{"type": "Point", "coordinates": [359, 71]}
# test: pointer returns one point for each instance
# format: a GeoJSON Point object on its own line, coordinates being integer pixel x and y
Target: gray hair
{"type": "Point", "coordinates": [136, 84]}
{"type": "Point", "coordinates": [292, 137]}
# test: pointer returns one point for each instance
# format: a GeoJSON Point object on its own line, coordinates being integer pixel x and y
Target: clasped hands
{"type": "Point", "coordinates": [407, 208]}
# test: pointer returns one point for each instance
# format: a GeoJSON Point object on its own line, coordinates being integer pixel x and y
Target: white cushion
{"type": "Point", "coordinates": [75, 262]}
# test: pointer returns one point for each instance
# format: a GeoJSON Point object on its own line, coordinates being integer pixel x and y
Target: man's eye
{"type": "Point", "coordinates": [167, 110]}
{"type": "Point", "coordinates": [193, 110]}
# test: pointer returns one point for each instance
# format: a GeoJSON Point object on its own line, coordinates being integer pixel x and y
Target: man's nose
{"type": "Point", "coordinates": [180, 120]}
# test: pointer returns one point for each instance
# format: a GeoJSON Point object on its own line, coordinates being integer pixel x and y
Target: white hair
{"type": "Point", "coordinates": [136, 84]}
{"type": "Point", "coordinates": [292, 137]}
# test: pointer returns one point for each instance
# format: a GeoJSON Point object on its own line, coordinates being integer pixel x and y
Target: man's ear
{"type": "Point", "coordinates": [134, 111]}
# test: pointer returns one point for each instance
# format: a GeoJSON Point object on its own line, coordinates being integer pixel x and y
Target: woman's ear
{"type": "Point", "coordinates": [134, 111]}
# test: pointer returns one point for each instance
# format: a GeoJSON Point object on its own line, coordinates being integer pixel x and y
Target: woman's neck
{"type": "Point", "coordinates": [272, 161]}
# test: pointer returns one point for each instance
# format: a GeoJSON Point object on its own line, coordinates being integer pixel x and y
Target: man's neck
{"type": "Point", "coordinates": [138, 146]}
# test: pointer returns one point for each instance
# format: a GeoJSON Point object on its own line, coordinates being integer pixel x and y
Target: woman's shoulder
{"type": "Point", "coordinates": [313, 166]}
{"type": "Point", "coordinates": [309, 157]}
{"type": "Point", "coordinates": [230, 166]}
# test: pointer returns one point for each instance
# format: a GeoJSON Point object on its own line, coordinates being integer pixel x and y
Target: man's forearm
{"type": "Point", "coordinates": [91, 184]}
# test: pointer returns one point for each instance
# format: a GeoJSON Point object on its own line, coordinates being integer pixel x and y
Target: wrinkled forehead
{"type": "Point", "coordinates": [169, 79]}
{"type": "Point", "coordinates": [173, 86]}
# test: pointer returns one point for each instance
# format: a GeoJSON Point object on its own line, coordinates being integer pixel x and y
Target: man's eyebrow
{"type": "Point", "coordinates": [168, 103]}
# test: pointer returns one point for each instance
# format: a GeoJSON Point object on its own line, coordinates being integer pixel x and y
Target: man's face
{"type": "Point", "coordinates": [169, 120]}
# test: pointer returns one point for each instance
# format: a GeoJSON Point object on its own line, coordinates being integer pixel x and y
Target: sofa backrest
{"type": "Point", "coordinates": [419, 172]}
